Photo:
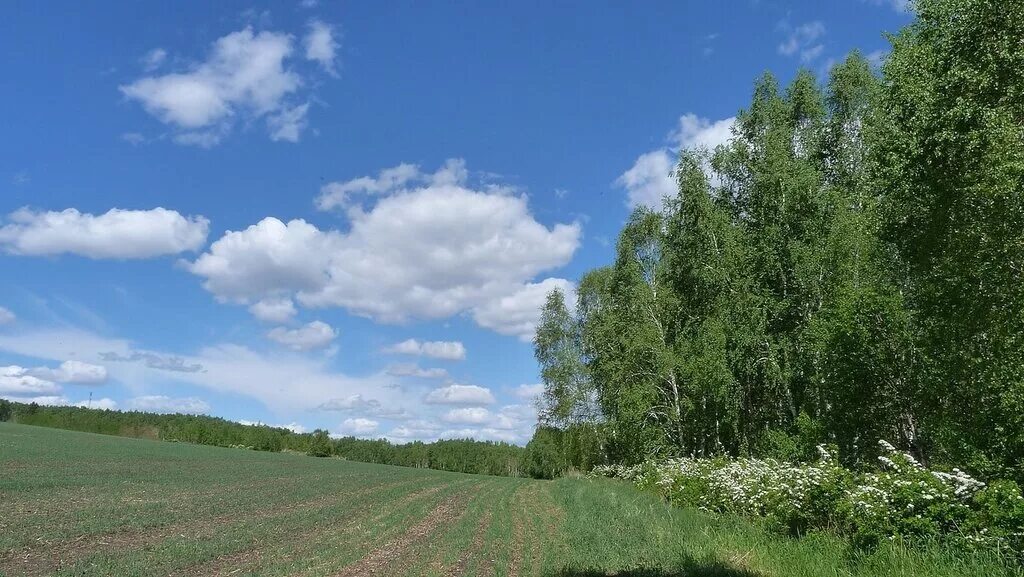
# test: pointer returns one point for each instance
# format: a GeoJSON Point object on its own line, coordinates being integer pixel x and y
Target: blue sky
{"type": "Point", "coordinates": [345, 214]}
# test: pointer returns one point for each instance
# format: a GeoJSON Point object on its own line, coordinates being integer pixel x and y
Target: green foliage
{"type": "Point", "coordinates": [846, 268]}
{"type": "Point", "coordinates": [948, 162]}
{"type": "Point", "coordinates": [544, 454]}
{"type": "Point", "coordinates": [902, 500]}
{"type": "Point", "coordinates": [5, 410]}
{"type": "Point", "coordinates": [320, 444]}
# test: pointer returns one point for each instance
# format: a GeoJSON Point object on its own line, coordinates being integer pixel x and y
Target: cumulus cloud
{"type": "Point", "coordinates": [165, 404]}
{"type": "Point", "coordinates": [267, 260]}
{"type": "Point", "coordinates": [15, 380]}
{"type": "Point", "coordinates": [314, 335]}
{"type": "Point", "coordinates": [409, 370]}
{"type": "Point", "coordinates": [154, 361]}
{"type": "Point", "coordinates": [273, 310]}
{"type": "Point", "coordinates": [116, 234]}
{"type": "Point", "coordinates": [423, 253]}
{"type": "Point", "coordinates": [802, 40]}
{"type": "Point", "coordinates": [467, 416]}
{"type": "Point", "coordinates": [529, 392]}
{"type": "Point", "coordinates": [72, 371]}
{"type": "Point", "coordinates": [321, 45]}
{"type": "Point", "coordinates": [389, 180]}
{"type": "Point", "coordinates": [6, 316]}
{"type": "Point", "coordinates": [358, 426]}
{"type": "Point", "coordinates": [358, 404]}
{"type": "Point", "coordinates": [446, 350]}
{"type": "Point", "coordinates": [245, 77]}
{"type": "Point", "coordinates": [651, 178]}
{"type": "Point", "coordinates": [460, 395]}
{"type": "Point", "coordinates": [518, 313]}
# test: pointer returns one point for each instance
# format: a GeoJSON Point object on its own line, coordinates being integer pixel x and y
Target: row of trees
{"type": "Point", "coordinates": [458, 455]}
{"type": "Point", "coordinates": [847, 268]}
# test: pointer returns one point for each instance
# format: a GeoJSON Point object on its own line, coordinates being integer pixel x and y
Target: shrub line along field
{"type": "Point", "coordinates": [87, 505]}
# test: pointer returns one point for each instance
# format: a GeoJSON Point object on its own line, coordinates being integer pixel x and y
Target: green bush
{"type": "Point", "coordinates": [320, 444]}
{"type": "Point", "coordinates": [901, 500]}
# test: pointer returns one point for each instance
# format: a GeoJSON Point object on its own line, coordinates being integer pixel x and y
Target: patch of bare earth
{"type": "Point", "coordinates": [45, 558]}
{"type": "Point", "coordinates": [515, 563]}
{"type": "Point", "coordinates": [381, 561]}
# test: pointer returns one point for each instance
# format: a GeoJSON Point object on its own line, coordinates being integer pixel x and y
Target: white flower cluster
{"type": "Point", "coordinates": [903, 498]}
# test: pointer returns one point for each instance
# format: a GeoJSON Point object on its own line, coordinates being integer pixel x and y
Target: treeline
{"type": "Point", "coordinates": [458, 455]}
{"type": "Point", "coordinates": [849, 267]}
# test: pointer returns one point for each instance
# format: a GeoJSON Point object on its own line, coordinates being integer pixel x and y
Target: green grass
{"type": "Point", "coordinates": [82, 504]}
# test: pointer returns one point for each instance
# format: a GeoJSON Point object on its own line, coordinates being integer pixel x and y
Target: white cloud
{"type": "Point", "coordinates": [153, 59]}
{"type": "Point", "coordinates": [165, 404]}
{"type": "Point", "coordinates": [460, 395]}
{"type": "Point", "coordinates": [72, 371]}
{"type": "Point", "coordinates": [467, 416]}
{"type": "Point", "coordinates": [105, 403]}
{"type": "Point", "coordinates": [314, 335]}
{"type": "Point", "coordinates": [426, 253]}
{"type": "Point", "coordinates": [695, 132]}
{"type": "Point", "coordinates": [321, 45]}
{"type": "Point", "coordinates": [529, 392]}
{"type": "Point", "coordinates": [273, 310]}
{"type": "Point", "coordinates": [897, 5]}
{"type": "Point", "coordinates": [15, 380]}
{"type": "Point", "coordinates": [651, 177]}
{"type": "Point", "coordinates": [408, 370]}
{"type": "Point", "coordinates": [289, 123]}
{"type": "Point", "coordinates": [358, 426]}
{"type": "Point", "coordinates": [6, 316]}
{"type": "Point", "coordinates": [391, 181]}
{"type": "Point", "coordinates": [279, 379]}
{"type": "Point", "coordinates": [518, 313]}
{"type": "Point", "coordinates": [803, 39]}
{"type": "Point", "coordinates": [421, 430]}
{"type": "Point", "coordinates": [154, 361]}
{"type": "Point", "coordinates": [116, 234]}
{"type": "Point", "coordinates": [446, 350]}
{"type": "Point", "coordinates": [62, 401]}
{"type": "Point", "coordinates": [266, 260]}
{"type": "Point", "coordinates": [350, 403]}
{"type": "Point", "coordinates": [293, 427]}
{"type": "Point", "coordinates": [245, 77]}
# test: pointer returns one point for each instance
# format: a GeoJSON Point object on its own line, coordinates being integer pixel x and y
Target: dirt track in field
{"type": "Point", "coordinates": [398, 549]}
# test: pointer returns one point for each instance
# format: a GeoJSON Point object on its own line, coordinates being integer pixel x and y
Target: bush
{"type": "Point", "coordinates": [902, 499]}
{"type": "Point", "coordinates": [544, 454]}
{"type": "Point", "coordinates": [320, 444]}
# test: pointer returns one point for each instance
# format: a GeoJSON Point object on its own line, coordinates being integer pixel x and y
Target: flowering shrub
{"type": "Point", "coordinates": [902, 499]}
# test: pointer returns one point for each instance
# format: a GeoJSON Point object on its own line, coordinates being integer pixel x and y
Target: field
{"type": "Point", "coordinates": [82, 504]}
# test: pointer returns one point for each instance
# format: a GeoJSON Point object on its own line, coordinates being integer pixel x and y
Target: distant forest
{"type": "Point", "coordinates": [849, 267]}
{"type": "Point", "coordinates": [458, 455]}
